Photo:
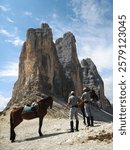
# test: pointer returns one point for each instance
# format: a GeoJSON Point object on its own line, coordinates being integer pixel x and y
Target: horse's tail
{"type": "Point", "coordinates": [81, 104]}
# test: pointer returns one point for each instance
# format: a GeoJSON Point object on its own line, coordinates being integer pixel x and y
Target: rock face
{"type": "Point", "coordinates": [66, 51]}
{"type": "Point", "coordinates": [92, 79]}
{"type": "Point", "coordinates": [39, 67]}
{"type": "Point", "coordinates": [53, 68]}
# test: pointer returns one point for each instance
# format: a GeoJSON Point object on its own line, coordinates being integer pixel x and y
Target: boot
{"type": "Point", "coordinates": [92, 121]}
{"type": "Point", "coordinates": [77, 125]}
{"type": "Point", "coordinates": [71, 126]}
{"type": "Point", "coordinates": [88, 121]}
{"type": "Point", "coordinates": [84, 122]}
{"type": "Point", "coordinates": [84, 117]}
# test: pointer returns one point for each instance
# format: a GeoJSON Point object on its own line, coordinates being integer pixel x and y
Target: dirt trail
{"type": "Point", "coordinates": [56, 136]}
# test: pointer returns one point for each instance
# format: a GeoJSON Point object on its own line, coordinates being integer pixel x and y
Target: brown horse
{"type": "Point", "coordinates": [81, 106]}
{"type": "Point", "coordinates": [17, 115]}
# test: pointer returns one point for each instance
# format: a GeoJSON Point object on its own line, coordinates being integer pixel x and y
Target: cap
{"type": "Point", "coordinates": [84, 89]}
{"type": "Point", "coordinates": [72, 92]}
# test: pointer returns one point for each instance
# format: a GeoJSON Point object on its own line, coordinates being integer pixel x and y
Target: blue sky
{"type": "Point", "coordinates": [91, 22]}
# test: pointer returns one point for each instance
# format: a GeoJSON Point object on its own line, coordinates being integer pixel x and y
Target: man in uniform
{"type": "Point", "coordinates": [87, 106]}
{"type": "Point", "coordinates": [73, 103]}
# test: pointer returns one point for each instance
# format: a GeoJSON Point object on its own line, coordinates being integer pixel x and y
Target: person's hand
{"type": "Point", "coordinates": [65, 107]}
{"type": "Point", "coordinates": [85, 101]}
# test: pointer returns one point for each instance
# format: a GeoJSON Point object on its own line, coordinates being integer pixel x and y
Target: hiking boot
{"type": "Point", "coordinates": [77, 125]}
{"type": "Point", "coordinates": [71, 126]}
{"type": "Point", "coordinates": [88, 121]}
{"type": "Point", "coordinates": [91, 121]}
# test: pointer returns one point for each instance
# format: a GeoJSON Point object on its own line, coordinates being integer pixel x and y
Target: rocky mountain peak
{"type": "Point", "coordinates": [53, 68]}
{"type": "Point", "coordinates": [66, 48]}
{"type": "Point", "coordinates": [45, 26]}
{"type": "Point", "coordinates": [69, 36]}
{"type": "Point", "coordinates": [67, 54]}
{"type": "Point", "coordinates": [93, 80]}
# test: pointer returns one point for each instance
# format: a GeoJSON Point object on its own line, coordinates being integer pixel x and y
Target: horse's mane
{"type": "Point", "coordinates": [45, 98]}
{"type": "Point", "coordinates": [17, 107]}
{"type": "Point", "coordinates": [94, 95]}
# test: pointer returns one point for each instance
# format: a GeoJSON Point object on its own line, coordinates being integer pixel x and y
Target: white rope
{"type": "Point", "coordinates": [106, 112]}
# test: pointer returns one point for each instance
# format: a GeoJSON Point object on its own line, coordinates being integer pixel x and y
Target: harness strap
{"type": "Point", "coordinates": [74, 106]}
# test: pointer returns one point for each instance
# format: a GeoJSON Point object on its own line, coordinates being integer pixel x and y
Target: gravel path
{"type": "Point", "coordinates": [56, 136]}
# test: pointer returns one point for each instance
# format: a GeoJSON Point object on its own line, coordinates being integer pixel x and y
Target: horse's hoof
{"type": "Point", "coordinates": [41, 135]}
{"type": "Point", "coordinates": [12, 141]}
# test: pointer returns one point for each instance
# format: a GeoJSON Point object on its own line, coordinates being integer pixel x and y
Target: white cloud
{"type": "Point", "coordinates": [3, 101]}
{"type": "Point", "coordinates": [6, 33]}
{"type": "Point", "coordinates": [4, 8]}
{"type": "Point", "coordinates": [28, 13]}
{"type": "Point", "coordinates": [108, 83]}
{"type": "Point", "coordinates": [9, 70]}
{"type": "Point", "coordinates": [10, 20]}
{"type": "Point", "coordinates": [12, 37]}
{"type": "Point", "coordinates": [16, 41]}
{"type": "Point", "coordinates": [54, 16]}
{"type": "Point", "coordinates": [101, 56]}
{"type": "Point", "coordinates": [91, 11]}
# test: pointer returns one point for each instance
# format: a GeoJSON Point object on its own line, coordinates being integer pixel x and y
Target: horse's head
{"type": "Point", "coordinates": [46, 102]}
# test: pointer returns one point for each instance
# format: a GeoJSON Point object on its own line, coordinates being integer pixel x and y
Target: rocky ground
{"type": "Point", "coordinates": [55, 129]}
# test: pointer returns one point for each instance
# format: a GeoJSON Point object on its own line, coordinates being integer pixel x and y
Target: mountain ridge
{"type": "Point", "coordinates": [54, 69]}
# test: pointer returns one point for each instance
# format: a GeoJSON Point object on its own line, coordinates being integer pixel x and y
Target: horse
{"type": "Point", "coordinates": [94, 98]}
{"type": "Point", "coordinates": [17, 115]}
{"type": "Point", "coordinates": [81, 106]}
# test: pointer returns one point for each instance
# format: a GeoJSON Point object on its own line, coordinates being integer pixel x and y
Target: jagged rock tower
{"type": "Point", "coordinates": [40, 69]}
{"type": "Point", "coordinates": [38, 65]}
{"type": "Point", "coordinates": [53, 68]}
{"type": "Point", "coordinates": [92, 79]}
{"type": "Point", "coordinates": [67, 54]}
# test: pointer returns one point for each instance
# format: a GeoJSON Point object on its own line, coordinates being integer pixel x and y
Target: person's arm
{"type": "Point", "coordinates": [67, 104]}
{"type": "Point", "coordinates": [84, 98]}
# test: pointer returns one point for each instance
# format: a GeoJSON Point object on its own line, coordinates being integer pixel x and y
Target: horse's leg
{"type": "Point", "coordinates": [84, 119]}
{"type": "Point", "coordinates": [12, 133]}
{"type": "Point", "coordinates": [40, 126]}
{"type": "Point", "coordinates": [13, 124]}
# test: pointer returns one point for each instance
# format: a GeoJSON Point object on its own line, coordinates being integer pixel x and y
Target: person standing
{"type": "Point", "coordinates": [87, 106]}
{"type": "Point", "coordinates": [73, 103]}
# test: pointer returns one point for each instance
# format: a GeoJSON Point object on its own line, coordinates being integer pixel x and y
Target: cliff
{"type": "Point", "coordinates": [67, 54]}
{"type": "Point", "coordinates": [39, 67]}
{"type": "Point", "coordinates": [53, 69]}
{"type": "Point", "coordinates": [93, 80]}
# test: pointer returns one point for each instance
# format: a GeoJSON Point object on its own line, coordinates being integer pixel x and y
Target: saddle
{"type": "Point", "coordinates": [28, 108]}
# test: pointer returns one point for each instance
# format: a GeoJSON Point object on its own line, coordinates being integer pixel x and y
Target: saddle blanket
{"type": "Point", "coordinates": [27, 109]}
